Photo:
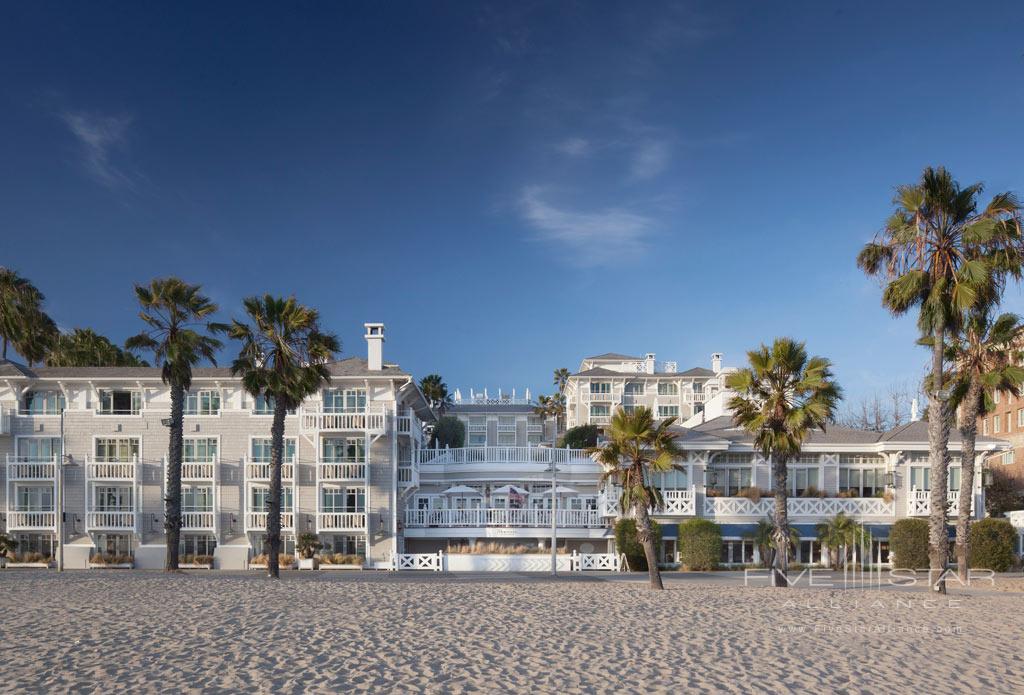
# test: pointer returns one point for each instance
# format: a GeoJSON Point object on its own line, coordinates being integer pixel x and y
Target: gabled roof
{"type": "Point", "coordinates": [697, 371]}
{"type": "Point", "coordinates": [917, 431]}
{"type": "Point", "coordinates": [724, 428]}
{"type": "Point", "coordinates": [13, 369]}
{"type": "Point", "coordinates": [613, 356]}
{"type": "Point", "coordinates": [351, 366]}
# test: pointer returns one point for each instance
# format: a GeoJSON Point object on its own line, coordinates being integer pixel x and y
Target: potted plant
{"type": "Point", "coordinates": [307, 546]}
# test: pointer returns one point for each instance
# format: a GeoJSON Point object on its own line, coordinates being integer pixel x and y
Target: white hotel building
{"type": "Point", "coordinates": [360, 475]}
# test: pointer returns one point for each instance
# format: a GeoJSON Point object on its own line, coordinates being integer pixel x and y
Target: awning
{"type": "Point", "coordinates": [461, 490]}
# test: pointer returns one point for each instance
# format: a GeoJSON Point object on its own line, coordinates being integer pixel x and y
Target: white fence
{"type": "Point", "coordinates": [484, 517]}
{"type": "Point", "coordinates": [501, 454]}
{"type": "Point", "coordinates": [539, 562]}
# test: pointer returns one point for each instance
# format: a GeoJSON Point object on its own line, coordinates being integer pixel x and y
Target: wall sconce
{"type": "Point", "coordinates": [890, 479]}
{"type": "Point", "coordinates": [231, 523]}
{"type": "Point", "coordinates": [987, 478]}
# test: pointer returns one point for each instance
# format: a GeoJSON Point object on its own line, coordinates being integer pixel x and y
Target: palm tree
{"type": "Point", "coordinates": [636, 448]}
{"type": "Point", "coordinates": [284, 357]}
{"type": "Point", "coordinates": [180, 337]}
{"type": "Point", "coordinates": [552, 406]}
{"type": "Point", "coordinates": [763, 536]}
{"type": "Point", "coordinates": [39, 333]}
{"type": "Point", "coordinates": [780, 398]}
{"type": "Point", "coordinates": [436, 392]}
{"type": "Point", "coordinates": [841, 532]}
{"type": "Point", "coordinates": [939, 253]}
{"type": "Point", "coordinates": [985, 354]}
{"type": "Point", "coordinates": [561, 378]}
{"type": "Point", "coordinates": [20, 307]}
{"type": "Point", "coordinates": [7, 545]}
{"type": "Point", "coordinates": [83, 347]}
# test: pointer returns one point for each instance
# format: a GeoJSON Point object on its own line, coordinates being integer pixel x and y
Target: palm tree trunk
{"type": "Point", "coordinates": [646, 539]}
{"type": "Point", "coordinates": [780, 567]}
{"type": "Point", "coordinates": [968, 436]}
{"type": "Point", "coordinates": [938, 442]}
{"type": "Point", "coordinates": [172, 504]}
{"type": "Point", "coordinates": [274, 505]}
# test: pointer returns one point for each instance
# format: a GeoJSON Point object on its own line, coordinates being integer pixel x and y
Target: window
{"type": "Point", "coordinates": [668, 411]}
{"type": "Point", "coordinates": [995, 395]}
{"type": "Point", "coordinates": [202, 403]}
{"type": "Point", "coordinates": [1009, 424]}
{"type": "Point", "coordinates": [953, 479]}
{"type": "Point", "coordinates": [861, 460]}
{"type": "Point", "coordinates": [345, 401]}
{"type": "Point", "coordinates": [672, 480]}
{"type": "Point", "coordinates": [42, 543]}
{"type": "Point", "coordinates": [478, 439]}
{"type": "Point", "coordinates": [984, 425]}
{"type": "Point", "coordinates": [264, 405]}
{"type": "Point", "coordinates": [261, 450]}
{"type": "Point", "coordinates": [533, 438]}
{"type": "Point", "coordinates": [196, 498]}
{"type": "Point", "coordinates": [809, 459]}
{"type": "Point", "coordinates": [197, 544]}
{"type": "Point", "coordinates": [259, 498]}
{"type": "Point", "coordinates": [635, 388]}
{"type": "Point", "coordinates": [345, 545]}
{"type": "Point", "coordinates": [507, 423]}
{"type": "Point", "coordinates": [801, 481]}
{"type": "Point", "coordinates": [114, 543]}
{"type": "Point", "coordinates": [38, 448]}
{"type": "Point", "coordinates": [42, 403]}
{"type": "Point", "coordinates": [339, 500]}
{"type": "Point", "coordinates": [668, 388]}
{"type": "Point", "coordinates": [862, 482]}
{"type": "Point", "coordinates": [117, 449]}
{"type": "Point", "coordinates": [1020, 418]}
{"type": "Point", "coordinates": [111, 498]}
{"type": "Point", "coordinates": [698, 387]}
{"type": "Point", "coordinates": [506, 438]}
{"type": "Point", "coordinates": [200, 450]}
{"type": "Point", "coordinates": [478, 422]}
{"type": "Point", "coordinates": [35, 498]}
{"type": "Point", "coordinates": [116, 402]}
{"type": "Point", "coordinates": [630, 408]}
{"type": "Point", "coordinates": [600, 410]}
{"type": "Point", "coordinates": [345, 450]}
{"type": "Point", "coordinates": [729, 480]}
{"type": "Point", "coordinates": [996, 422]}
{"type": "Point", "coordinates": [600, 387]}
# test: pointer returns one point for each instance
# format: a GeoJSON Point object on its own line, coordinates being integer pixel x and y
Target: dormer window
{"type": "Point", "coordinates": [202, 402]}
{"type": "Point", "coordinates": [120, 402]}
{"type": "Point", "coordinates": [42, 403]}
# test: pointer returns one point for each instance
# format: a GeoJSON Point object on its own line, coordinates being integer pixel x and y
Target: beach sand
{"type": "Point", "coordinates": [111, 631]}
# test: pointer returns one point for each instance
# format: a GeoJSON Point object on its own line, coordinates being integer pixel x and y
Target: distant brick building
{"type": "Point", "coordinates": [1006, 421]}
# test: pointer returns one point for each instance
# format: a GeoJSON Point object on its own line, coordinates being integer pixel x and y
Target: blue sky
{"type": "Point", "coordinates": [509, 186]}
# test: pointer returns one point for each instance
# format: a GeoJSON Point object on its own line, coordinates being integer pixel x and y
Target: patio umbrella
{"type": "Point", "coordinates": [560, 490]}
{"type": "Point", "coordinates": [461, 490]}
{"type": "Point", "coordinates": [509, 489]}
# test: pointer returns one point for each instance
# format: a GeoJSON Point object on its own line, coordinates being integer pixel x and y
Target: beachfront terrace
{"type": "Point", "coordinates": [502, 517]}
{"type": "Point", "coordinates": [730, 507]}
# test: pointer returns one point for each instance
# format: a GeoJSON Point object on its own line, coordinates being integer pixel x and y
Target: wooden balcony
{"type": "Point", "coordinates": [31, 520]}
{"type": "Point", "coordinates": [340, 521]}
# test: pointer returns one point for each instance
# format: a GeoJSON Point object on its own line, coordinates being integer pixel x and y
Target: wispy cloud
{"type": "Point", "coordinates": [574, 147]}
{"type": "Point", "coordinates": [650, 158]}
{"type": "Point", "coordinates": [100, 138]}
{"type": "Point", "coordinates": [590, 238]}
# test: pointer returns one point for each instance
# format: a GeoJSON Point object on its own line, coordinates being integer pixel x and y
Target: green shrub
{"type": "Point", "coordinates": [908, 544]}
{"type": "Point", "coordinates": [992, 544]}
{"type": "Point", "coordinates": [700, 544]}
{"type": "Point", "coordinates": [449, 431]}
{"type": "Point", "coordinates": [626, 542]}
{"type": "Point", "coordinates": [582, 437]}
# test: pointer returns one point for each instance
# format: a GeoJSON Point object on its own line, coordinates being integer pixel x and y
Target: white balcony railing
{"type": "Point", "coordinates": [530, 518]}
{"type": "Point", "coordinates": [313, 419]}
{"type": "Point", "coordinates": [110, 521]}
{"type": "Point", "coordinates": [679, 502]}
{"type": "Point", "coordinates": [257, 521]}
{"type": "Point", "coordinates": [502, 454]}
{"type": "Point", "coordinates": [110, 469]}
{"type": "Point", "coordinates": [201, 521]}
{"type": "Point", "coordinates": [342, 470]}
{"type": "Point", "coordinates": [197, 470]}
{"type": "Point", "coordinates": [29, 520]}
{"type": "Point", "coordinates": [341, 521]}
{"type": "Point", "coordinates": [24, 468]}
{"type": "Point", "coordinates": [260, 470]}
{"type": "Point", "coordinates": [798, 506]}
{"type": "Point", "coordinates": [602, 397]}
{"type": "Point", "coordinates": [919, 502]}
